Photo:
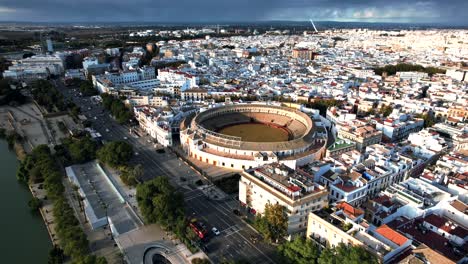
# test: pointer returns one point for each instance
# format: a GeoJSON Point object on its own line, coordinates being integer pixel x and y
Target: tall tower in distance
{"type": "Point", "coordinates": [50, 46]}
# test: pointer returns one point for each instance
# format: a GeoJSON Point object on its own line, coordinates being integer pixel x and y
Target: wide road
{"type": "Point", "coordinates": [236, 241]}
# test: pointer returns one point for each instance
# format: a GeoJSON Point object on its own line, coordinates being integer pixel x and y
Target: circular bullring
{"type": "Point", "coordinates": [254, 127]}
{"type": "Point", "coordinates": [244, 136]}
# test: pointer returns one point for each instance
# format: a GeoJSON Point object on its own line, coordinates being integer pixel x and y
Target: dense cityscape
{"type": "Point", "coordinates": [282, 142]}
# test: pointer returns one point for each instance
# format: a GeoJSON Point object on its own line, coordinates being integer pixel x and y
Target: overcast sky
{"type": "Point", "coordinates": [446, 11]}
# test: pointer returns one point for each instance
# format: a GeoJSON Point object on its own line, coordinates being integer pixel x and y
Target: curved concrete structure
{"type": "Point", "coordinates": [200, 138]}
{"type": "Point", "coordinates": [161, 254]}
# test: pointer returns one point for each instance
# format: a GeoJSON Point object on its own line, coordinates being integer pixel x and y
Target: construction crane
{"type": "Point", "coordinates": [312, 22]}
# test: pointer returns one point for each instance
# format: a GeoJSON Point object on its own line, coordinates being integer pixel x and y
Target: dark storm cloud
{"type": "Point", "coordinates": [234, 10]}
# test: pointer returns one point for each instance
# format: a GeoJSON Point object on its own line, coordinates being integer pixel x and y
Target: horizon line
{"type": "Point", "coordinates": [243, 21]}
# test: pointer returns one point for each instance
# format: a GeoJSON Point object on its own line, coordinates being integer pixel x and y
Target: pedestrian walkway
{"type": "Point", "coordinates": [46, 211]}
{"type": "Point", "coordinates": [136, 244]}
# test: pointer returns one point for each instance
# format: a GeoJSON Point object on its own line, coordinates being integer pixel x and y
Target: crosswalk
{"type": "Point", "coordinates": [231, 230]}
{"type": "Point", "coordinates": [192, 195]}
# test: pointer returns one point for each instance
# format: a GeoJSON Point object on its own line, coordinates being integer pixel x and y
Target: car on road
{"type": "Point", "coordinates": [125, 138]}
{"type": "Point", "coordinates": [198, 228]}
{"type": "Point", "coordinates": [236, 212]}
{"type": "Point", "coordinates": [215, 231]}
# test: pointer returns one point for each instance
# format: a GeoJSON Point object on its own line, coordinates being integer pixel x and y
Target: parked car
{"type": "Point", "coordinates": [236, 212]}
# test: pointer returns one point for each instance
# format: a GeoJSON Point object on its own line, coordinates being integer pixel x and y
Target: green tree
{"type": "Point", "coordinates": [56, 256]}
{"type": "Point", "coordinates": [277, 221]}
{"type": "Point", "coordinates": [200, 261]}
{"type": "Point", "coordinates": [299, 251]}
{"type": "Point", "coordinates": [159, 202]}
{"type": "Point", "coordinates": [118, 109]}
{"type": "Point", "coordinates": [115, 153]}
{"type": "Point", "coordinates": [47, 96]}
{"type": "Point", "coordinates": [386, 110]}
{"type": "Point", "coordinates": [72, 238]}
{"type": "Point", "coordinates": [130, 175]}
{"type": "Point", "coordinates": [429, 119]}
{"type": "Point", "coordinates": [90, 259]}
{"type": "Point", "coordinates": [81, 150]}
{"type": "Point", "coordinates": [274, 223]}
{"type": "Point", "coordinates": [347, 254]}
{"type": "Point", "coordinates": [261, 224]}
{"type": "Point", "coordinates": [35, 204]}
{"type": "Point", "coordinates": [322, 105]}
{"type": "Point", "coordinates": [87, 88]}
{"type": "Point", "coordinates": [327, 256]}
{"type": "Point", "coordinates": [404, 67]}
{"type": "Point", "coordinates": [10, 96]}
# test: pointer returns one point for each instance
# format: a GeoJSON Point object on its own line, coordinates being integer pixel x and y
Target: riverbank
{"type": "Point", "coordinates": [24, 231]}
{"type": "Point", "coordinates": [17, 126]}
{"type": "Point", "coordinates": [16, 141]}
{"type": "Point", "coordinates": [46, 211]}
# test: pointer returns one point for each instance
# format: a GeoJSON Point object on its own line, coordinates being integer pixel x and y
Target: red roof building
{"type": "Point", "coordinates": [391, 235]}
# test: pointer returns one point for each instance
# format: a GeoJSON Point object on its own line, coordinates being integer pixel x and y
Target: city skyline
{"type": "Point", "coordinates": [446, 12]}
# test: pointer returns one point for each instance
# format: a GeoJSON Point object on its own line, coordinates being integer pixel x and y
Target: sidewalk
{"type": "Point", "coordinates": [136, 243]}
{"type": "Point", "coordinates": [46, 211]}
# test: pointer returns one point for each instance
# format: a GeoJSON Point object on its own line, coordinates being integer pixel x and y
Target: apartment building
{"type": "Point", "coordinates": [35, 67]}
{"type": "Point", "coordinates": [194, 94]}
{"type": "Point", "coordinates": [177, 78]}
{"type": "Point", "coordinates": [155, 123]}
{"type": "Point", "coordinates": [361, 134]}
{"type": "Point", "coordinates": [276, 183]}
{"type": "Point", "coordinates": [458, 111]}
{"type": "Point", "coordinates": [398, 128]}
{"type": "Point", "coordinates": [339, 147]}
{"type": "Point", "coordinates": [303, 53]}
{"type": "Point", "coordinates": [345, 224]}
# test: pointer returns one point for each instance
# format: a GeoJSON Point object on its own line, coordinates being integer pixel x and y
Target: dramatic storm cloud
{"type": "Point", "coordinates": [446, 11]}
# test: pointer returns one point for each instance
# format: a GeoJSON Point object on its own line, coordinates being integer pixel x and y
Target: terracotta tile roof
{"type": "Point", "coordinates": [349, 210]}
{"type": "Point", "coordinates": [446, 225]}
{"type": "Point", "coordinates": [354, 175]}
{"type": "Point", "coordinates": [431, 255]}
{"type": "Point", "coordinates": [391, 235]}
{"type": "Point", "coordinates": [384, 200]}
{"type": "Point", "coordinates": [346, 188]}
{"type": "Point", "coordinates": [432, 240]}
{"type": "Point", "coordinates": [460, 206]}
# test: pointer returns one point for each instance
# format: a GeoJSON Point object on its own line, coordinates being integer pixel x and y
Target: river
{"type": "Point", "coordinates": [24, 237]}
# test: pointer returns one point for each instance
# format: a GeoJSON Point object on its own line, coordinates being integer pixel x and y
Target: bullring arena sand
{"type": "Point", "coordinates": [256, 132]}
